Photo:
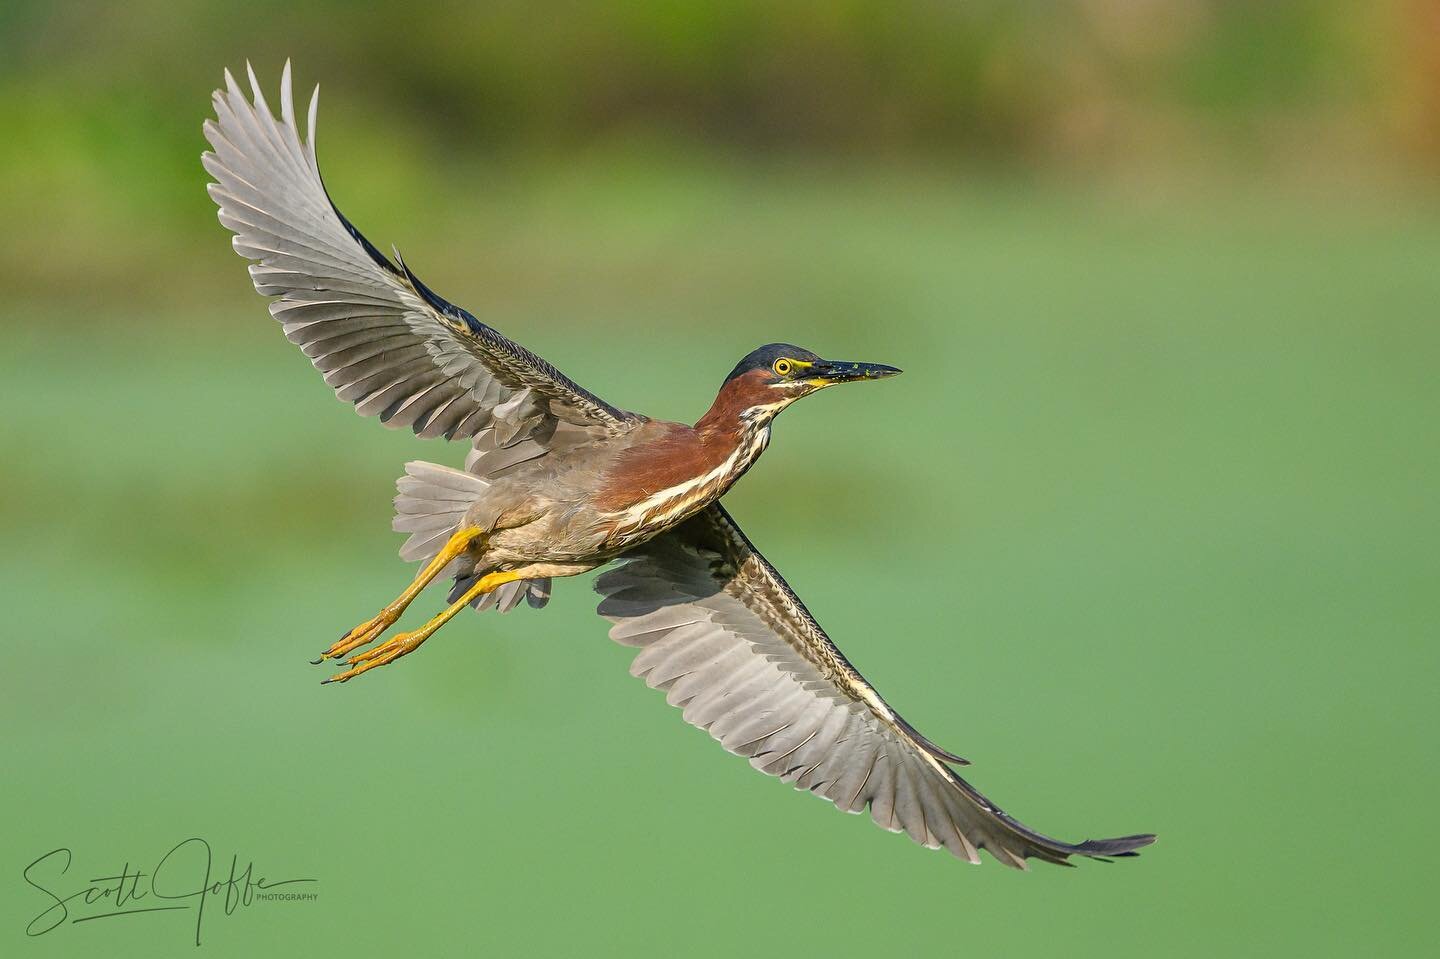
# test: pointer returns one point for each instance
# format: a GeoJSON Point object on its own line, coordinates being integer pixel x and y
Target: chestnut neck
{"type": "Point", "coordinates": [738, 409]}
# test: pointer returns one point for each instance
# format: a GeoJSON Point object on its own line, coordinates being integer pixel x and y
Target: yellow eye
{"type": "Point", "coordinates": [783, 367]}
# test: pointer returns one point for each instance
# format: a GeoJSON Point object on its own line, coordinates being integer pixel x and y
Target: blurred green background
{"type": "Point", "coordinates": [1147, 531]}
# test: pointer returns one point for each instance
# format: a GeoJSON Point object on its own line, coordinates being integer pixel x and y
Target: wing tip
{"type": "Point", "coordinates": [1059, 853]}
{"type": "Point", "coordinates": [1121, 847]}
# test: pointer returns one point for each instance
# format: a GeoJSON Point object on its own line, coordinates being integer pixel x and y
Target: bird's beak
{"type": "Point", "coordinates": [829, 372]}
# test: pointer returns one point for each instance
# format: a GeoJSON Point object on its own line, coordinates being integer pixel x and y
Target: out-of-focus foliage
{"type": "Point", "coordinates": [1008, 79]}
{"type": "Point", "coordinates": [99, 102]}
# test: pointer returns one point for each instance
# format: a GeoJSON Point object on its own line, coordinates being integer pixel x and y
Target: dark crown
{"type": "Point", "coordinates": [764, 358]}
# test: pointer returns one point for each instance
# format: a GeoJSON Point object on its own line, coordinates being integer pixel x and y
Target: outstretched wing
{"type": "Point", "coordinates": [731, 644]}
{"type": "Point", "coordinates": [384, 341]}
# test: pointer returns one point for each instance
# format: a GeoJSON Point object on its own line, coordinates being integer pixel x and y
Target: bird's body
{"type": "Point", "coordinates": [598, 500]}
{"type": "Point", "coordinates": [559, 482]}
{"type": "Point", "coordinates": [580, 507]}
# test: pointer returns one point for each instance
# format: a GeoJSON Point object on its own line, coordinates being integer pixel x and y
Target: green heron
{"type": "Point", "coordinates": [559, 482]}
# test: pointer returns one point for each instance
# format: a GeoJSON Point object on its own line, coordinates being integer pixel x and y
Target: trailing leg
{"type": "Point", "coordinates": [369, 631]}
{"type": "Point", "coordinates": [403, 643]}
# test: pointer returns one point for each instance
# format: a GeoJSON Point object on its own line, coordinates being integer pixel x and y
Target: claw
{"type": "Point", "coordinates": [362, 635]}
{"type": "Point", "coordinates": [387, 652]}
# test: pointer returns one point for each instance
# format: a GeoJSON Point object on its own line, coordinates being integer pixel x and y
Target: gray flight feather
{"type": "Point", "coordinates": [724, 636]}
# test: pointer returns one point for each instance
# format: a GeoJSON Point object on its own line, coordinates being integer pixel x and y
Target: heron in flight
{"type": "Point", "coordinates": [559, 482]}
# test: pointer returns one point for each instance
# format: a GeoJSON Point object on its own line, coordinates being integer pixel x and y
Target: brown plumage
{"type": "Point", "coordinates": [559, 482]}
{"type": "Point", "coordinates": [666, 454]}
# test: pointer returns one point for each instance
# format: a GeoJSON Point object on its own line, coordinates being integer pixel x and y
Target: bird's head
{"type": "Point", "coordinates": [774, 376]}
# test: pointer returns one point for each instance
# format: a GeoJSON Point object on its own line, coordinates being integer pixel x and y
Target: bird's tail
{"type": "Point", "coordinates": [431, 502]}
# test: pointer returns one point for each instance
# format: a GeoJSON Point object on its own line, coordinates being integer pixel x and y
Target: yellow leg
{"type": "Point", "coordinates": [402, 643]}
{"type": "Point", "coordinates": [370, 630]}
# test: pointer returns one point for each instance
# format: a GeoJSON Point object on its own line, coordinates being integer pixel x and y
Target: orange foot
{"type": "Point", "coordinates": [362, 635]}
{"type": "Point", "coordinates": [387, 652]}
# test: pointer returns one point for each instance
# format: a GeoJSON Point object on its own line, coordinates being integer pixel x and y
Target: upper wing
{"type": "Point", "coordinates": [723, 634]}
{"type": "Point", "coordinates": [384, 340]}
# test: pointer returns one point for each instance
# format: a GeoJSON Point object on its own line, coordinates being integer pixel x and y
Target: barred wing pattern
{"type": "Point", "coordinates": [383, 340]}
{"type": "Point", "coordinates": [728, 641]}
